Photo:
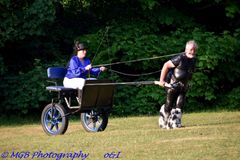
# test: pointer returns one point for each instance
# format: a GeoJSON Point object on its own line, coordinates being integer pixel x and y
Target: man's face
{"type": "Point", "coordinates": [190, 51]}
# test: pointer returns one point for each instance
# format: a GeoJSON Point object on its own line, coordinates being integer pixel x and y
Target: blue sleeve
{"type": "Point", "coordinates": [95, 71]}
{"type": "Point", "coordinates": [76, 68]}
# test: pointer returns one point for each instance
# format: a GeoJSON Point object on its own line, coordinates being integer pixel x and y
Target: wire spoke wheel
{"type": "Point", "coordinates": [94, 121]}
{"type": "Point", "coordinates": [53, 119]}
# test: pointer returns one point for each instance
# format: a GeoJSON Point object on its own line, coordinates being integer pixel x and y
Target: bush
{"type": "Point", "coordinates": [231, 101]}
{"type": "Point", "coordinates": [132, 100]}
{"type": "Point", "coordinates": [25, 91]}
{"type": "Point", "coordinates": [125, 41]}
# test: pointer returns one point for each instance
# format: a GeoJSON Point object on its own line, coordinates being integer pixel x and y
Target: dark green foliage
{"type": "Point", "coordinates": [135, 29]}
{"type": "Point", "coordinates": [20, 19]}
{"type": "Point", "coordinates": [231, 101]}
{"type": "Point", "coordinates": [25, 91]}
{"type": "Point", "coordinates": [2, 67]}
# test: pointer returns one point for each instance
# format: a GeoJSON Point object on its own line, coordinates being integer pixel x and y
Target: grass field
{"type": "Point", "coordinates": [205, 136]}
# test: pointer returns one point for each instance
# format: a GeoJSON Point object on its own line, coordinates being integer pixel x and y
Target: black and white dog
{"type": "Point", "coordinates": [170, 121]}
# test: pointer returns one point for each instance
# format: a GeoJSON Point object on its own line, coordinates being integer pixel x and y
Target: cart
{"type": "Point", "coordinates": [94, 102]}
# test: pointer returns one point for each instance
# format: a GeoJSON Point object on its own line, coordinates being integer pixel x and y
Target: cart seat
{"type": "Point", "coordinates": [58, 88]}
{"type": "Point", "coordinates": [57, 73]}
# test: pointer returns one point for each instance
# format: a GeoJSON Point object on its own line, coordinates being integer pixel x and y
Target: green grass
{"type": "Point", "coordinates": [206, 136]}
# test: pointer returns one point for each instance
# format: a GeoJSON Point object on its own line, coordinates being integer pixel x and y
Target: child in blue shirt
{"type": "Point", "coordinates": [79, 67]}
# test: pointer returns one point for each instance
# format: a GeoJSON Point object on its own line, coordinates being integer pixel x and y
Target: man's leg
{"type": "Point", "coordinates": [170, 99]}
{"type": "Point", "coordinates": [181, 100]}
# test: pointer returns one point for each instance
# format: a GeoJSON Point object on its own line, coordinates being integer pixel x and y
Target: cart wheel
{"type": "Point", "coordinates": [94, 121]}
{"type": "Point", "coordinates": [53, 120]}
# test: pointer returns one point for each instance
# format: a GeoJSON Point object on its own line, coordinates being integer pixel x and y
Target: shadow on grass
{"type": "Point", "coordinates": [35, 118]}
{"type": "Point", "coordinates": [213, 124]}
{"type": "Point", "coordinates": [16, 120]}
{"type": "Point", "coordinates": [19, 120]}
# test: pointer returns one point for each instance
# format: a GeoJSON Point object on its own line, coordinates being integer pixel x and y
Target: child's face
{"type": "Point", "coordinates": [82, 53]}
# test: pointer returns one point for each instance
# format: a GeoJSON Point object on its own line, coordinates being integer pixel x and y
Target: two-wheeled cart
{"type": "Point", "coordinates": [94, 102]}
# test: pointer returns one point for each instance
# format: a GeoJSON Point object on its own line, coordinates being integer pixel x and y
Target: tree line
{"type": "Point", "coordinates": [36, 34]}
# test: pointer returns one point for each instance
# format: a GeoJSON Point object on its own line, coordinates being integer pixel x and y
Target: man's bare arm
{"type": "Point", "coordinates": [167, 65]}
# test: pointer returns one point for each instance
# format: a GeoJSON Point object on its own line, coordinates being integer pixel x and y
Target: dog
{"type": "Point", "coordinates": [170, 121]}
{"type": "Point", "coordinates": [174, 120]}
{"type": "Point", "coordinates": [163, 119]}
